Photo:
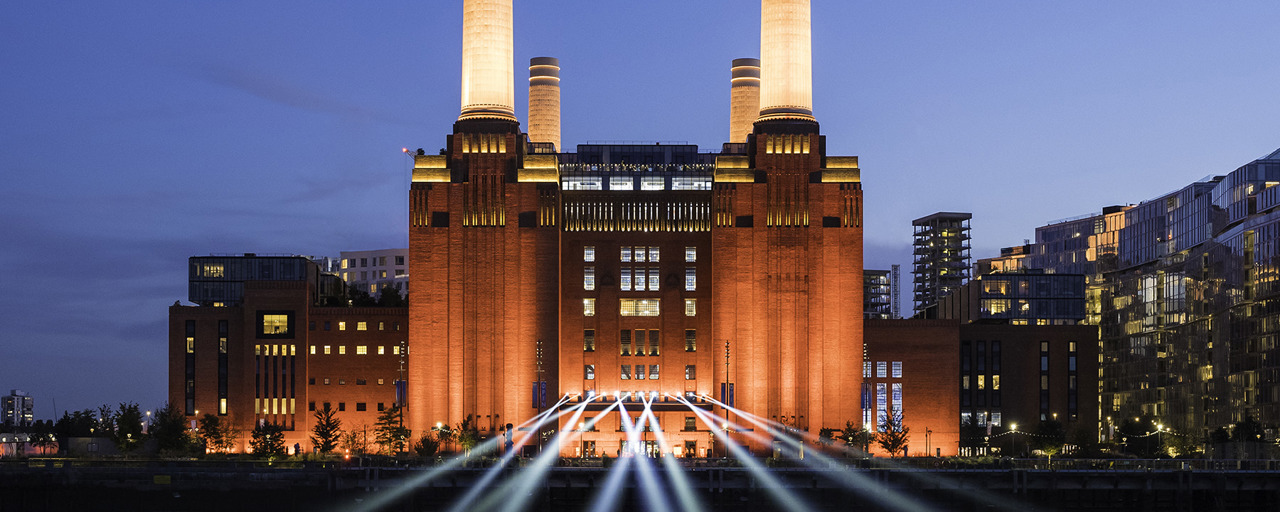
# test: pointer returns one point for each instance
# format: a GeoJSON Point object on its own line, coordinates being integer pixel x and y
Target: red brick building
{"type": "Point", "coordinates": [910, 367]}
{"type": "Point", "coordinates": [620, 270]}
{"type": "Point", "coordinates": [257, 347]}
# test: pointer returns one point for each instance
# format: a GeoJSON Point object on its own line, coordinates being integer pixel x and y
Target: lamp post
{"type": "Point", "coordinates": [1014, 427]}
{"type": "Point", "coordinates": [927, 432]}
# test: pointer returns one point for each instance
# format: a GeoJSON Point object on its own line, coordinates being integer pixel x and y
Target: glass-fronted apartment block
{"type": "Point", "coordinates": [941, 258]}
{"type": "Point", "coordinates": [1018, 298]}
{"type": "Point", "coordinates": [1184, 289]}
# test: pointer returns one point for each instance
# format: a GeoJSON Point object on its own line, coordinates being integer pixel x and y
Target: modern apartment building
{"type": "Point", "coordinates": [941, 259]}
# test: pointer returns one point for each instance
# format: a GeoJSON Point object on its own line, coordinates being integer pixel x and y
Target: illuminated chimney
{"type": "Point", "coordinates": [488, 66]}
{"type": "Point", "coordinates": [544, 100]}
{"type": "Point", "coordinates": [744, 98]}
{"type": "Point", "coordinates": [786, 62]}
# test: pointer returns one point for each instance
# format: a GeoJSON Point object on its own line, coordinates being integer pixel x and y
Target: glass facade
{"type": "Point", "coordinates": [1185, 289]}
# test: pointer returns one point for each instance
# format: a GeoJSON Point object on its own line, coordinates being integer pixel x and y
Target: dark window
{"type": "Point", "coordinates": [690, 372]}
{"type": "Point", "coordinates": [439, 219]}
{"type": "Point", "coordinates": [342, 406]}
{"type": "Point", "coordinates": [381, 407]}
{"type": "Point", "coordinates": [831, 222]}
{"type": "Point", "coordinates": [528, 219]}
{"type": "Point", "coordinates": [326, 325]}
{"type": "Point", "coordinates": [311, 381]}
{"type": "Point", "coordinates": [744, 221]}
{"type": "Point", "coordinates": [360, 382]}
{"type": "Point", "coordinates": [690, 340]}
{"type": "Point", "coordinates": [588, 340]}
{"type": "Point", "coordinates": [690, 423]}
{"type": "Point", "coordinates": [360, 406]}
{"type": "Point", "coordinates": [311, 406]}
{"type": "Point", "coordinates": [311, 326]}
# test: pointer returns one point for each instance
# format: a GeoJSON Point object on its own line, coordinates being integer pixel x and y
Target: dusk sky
{"type": "Point", "coordinates": [134, 135]}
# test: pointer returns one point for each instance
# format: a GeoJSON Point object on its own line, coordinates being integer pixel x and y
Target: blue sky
{"type": "Point", "coordinates": [136, 134]}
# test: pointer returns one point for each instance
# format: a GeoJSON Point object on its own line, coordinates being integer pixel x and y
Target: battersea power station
{"type": "Point", "coordinates": [610, 280]}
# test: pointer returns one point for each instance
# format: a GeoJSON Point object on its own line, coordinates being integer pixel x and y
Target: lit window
{"type": "Point", "coordinates": [382, 326]}
{"type": "Point", "coordinates": [626, 372]}
{"type": "Point", "coordinates": [362, 350]}
{"type": "Point", "coordinates": [625, 280]}
{"type": "Point", "coordinates": [191, 345]}
{"type": "Point", "coordinates": [588, 340]}
{"type": "Point", "coordinates": [222, 406]}
{"type": "Point", "coordinates": [636, 307]}
{"type": "Point", "coordinates": [326, 381]}
{"type": "Point", "coordinates": [640, 373]}
{"type": "Point", "coordinates": [624, 341]}
{"type": "Point", "coordinates": [588, 307]}
{"type": "Point", "coordinates": [690, 279]}
{"type": "Point", "coordinates": [379, 382]}
{"type": "Point", "coordinates": [382, 350]}
{"type": "Point", "coordinates": [326, 350]}
{"type": "Point", "coordinates": [691, 307]}
{"type": "Point", "coordinates": [214, 270]}
{"type": "Point", "coordinates": [589, 372]}
{"type": "Point", "coordinates": [653, 183]}
{"type": "Point", "coordinates": [589, 253]}
{"type": "Point", "coordinates": [342, 326]}
{"type": "Point", "coordinates": [313, 350]}
{"type": "Point", "coordinates": [346, 262]}
{"type": "Point", "coordinates": [589, 278]}
{"type": "Point", "coordinates": [690, 254]}
{"type": "Point", "coordinates": [897, 370]}
{"type": "Point", "coordinates": [690, 340]}
{"type": "Point", "coordinates": [275, 324]}
{"type": "Point", "coordinates": [982, 382]}
{"type": "Point", "coordinates": [626, 254]}
{"type": "Point", "coordinates": [653, 372]}
{"type": "Point", "coordinates": [690, 372]}
{"type": "Point", "coordinates": [882, 369]}
{"type": "Point", "coordinates": [342, 349]}
{"type": "Point", "coordinates": [362, 326]}
{"type": "Point", "coordinates": [653, 254]}
{"type": "Point", "coordinates": [995, 382]}
{"type": "Point", "coordinates": [653, 279]}
{"type": "Point", "coordinates": [395, 350]}
{"type": "Point", "coordinates": [866, 369]}
{"type": "Point", "coordinates": [621, 183]}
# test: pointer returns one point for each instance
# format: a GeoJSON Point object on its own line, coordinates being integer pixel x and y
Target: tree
{"type": "Point", "coordinates": [127, 427]}
{"type": "Point", "coordinates": [42, 436]}
{"type": "Point", "coordinates": [893, 434]}
{"type": "Point", "coordinates": [219, 436]}
{"type": "Point", "coordinates": [327, 431]}
{"type": "Point", "coordinates": [445, 435]}
{"type": "Point", "coordinates": [468, 435]}
{"type": "Point", "coordinates": [357, 440]}
{"type": "Point", "coordinates": [390, 297]}
{"type": "Point", "coordinates": [74, 424]}
{"type": "Point", "coordinates": [1049, 437]}
{"type": "Point", "coordinates": [1248, 430]}
{"type": "Point", "coordinates": [169, 429]}
{"type": "Point", "coordinates": [826, 436]}
{"type": "Point", "coordinates": [360, 298]}
{"type": "Point", "coordinates": [390, 431]}
{"type": "Point", "coordinates": [855, 437]}
{"type": "Point", "coordinates": [427, 445]}
{"type": "Point", "coordinates": [267, 440]}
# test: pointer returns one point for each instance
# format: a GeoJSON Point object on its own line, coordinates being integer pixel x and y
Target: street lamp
{"type": "Point", "coordinates": [1014, 427]}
